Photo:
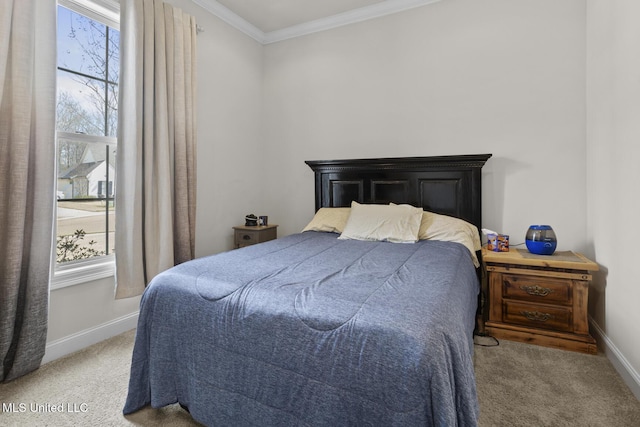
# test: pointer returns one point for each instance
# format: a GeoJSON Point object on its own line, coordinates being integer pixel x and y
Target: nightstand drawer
{"type": "Point", "coordinates": [245, 238]}
{"type": "Point", "coordinates": [556, 318]}
{"type": "Point", "coordinates": [250, 235]}
{"type": "Point", "coordinates": [536, 289]}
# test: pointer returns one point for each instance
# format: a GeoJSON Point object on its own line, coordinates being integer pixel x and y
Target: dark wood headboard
{"type": "Point", "coordinates": [449, 185]}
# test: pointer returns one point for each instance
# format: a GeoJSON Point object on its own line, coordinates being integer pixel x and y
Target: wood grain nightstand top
{"type": "Point", "coordinates": [254, 227]}
{"type": "Point", "coordinates": [560, 259]}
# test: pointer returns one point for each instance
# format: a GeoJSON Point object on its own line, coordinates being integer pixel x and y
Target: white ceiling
{"type": "Point", "coordinates": [269, 21]}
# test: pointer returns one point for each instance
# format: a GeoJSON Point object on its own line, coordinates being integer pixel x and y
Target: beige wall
{"type": "Point", "coordinates": [613, 152]}
{"type": "Point", "coordinates": [229, 130]}
{"type": "Point", "coordinates": [456, 77]}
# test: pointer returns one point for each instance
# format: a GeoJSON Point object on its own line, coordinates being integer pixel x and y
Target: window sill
{"type": "Point", "coordinates": [83, 272]}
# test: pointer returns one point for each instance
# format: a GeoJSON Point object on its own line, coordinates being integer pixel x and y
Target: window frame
{"type": "Point", "coordinates": [82, 271]}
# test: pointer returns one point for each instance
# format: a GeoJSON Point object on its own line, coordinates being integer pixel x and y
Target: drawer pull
{"type": "Point", "coordinates": [536, 316]}
{"type": "Point", "coordinates": [246, 237]}
{"type": "Point", "coordinates": [536, 290]}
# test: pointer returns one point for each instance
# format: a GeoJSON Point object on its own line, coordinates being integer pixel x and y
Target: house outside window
{"type": "Point", "coordinates": [86, 125]}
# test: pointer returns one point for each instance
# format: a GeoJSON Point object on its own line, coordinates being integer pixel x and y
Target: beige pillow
{"type": "Point", "coordinates": [392, 223]}
{"type": "Point", "coordinates": [330, 220]}
{"type": "Point", "coordinates": [442, 227]}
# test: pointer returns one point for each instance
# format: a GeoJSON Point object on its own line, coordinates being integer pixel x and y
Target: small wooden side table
{"type": "Point", "coordinates": [540, 299]}
{"type": "Point", "coordinates": [245, 235]}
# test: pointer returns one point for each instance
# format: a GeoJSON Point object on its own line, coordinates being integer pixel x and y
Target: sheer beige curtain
{"type": "Point", "coordinates": [27, 171]}
{"type": "Point", "coordinates": [155, 188]}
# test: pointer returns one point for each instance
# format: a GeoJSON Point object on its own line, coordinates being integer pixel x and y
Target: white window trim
{"type": "Point", "coordinates": [78, 272]}
{"type": "Point", "coordinates": [81, 137]}
{"type": "Point", "coordinates": [83, 271]}
{"type": "Point", "coordinates": [105, 11]}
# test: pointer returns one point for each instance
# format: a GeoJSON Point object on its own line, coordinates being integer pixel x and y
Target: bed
{"type": "Point", "coordinates": [314, 329]}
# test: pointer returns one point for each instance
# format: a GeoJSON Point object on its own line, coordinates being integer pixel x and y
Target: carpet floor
{"type": "Point", "coordinates": [518, 385]}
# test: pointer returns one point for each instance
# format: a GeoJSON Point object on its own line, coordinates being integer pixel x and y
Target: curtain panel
{"type": "Point", "coordinates": [27, 179]}
{"type": "Point", "coordinates": [156, 165]}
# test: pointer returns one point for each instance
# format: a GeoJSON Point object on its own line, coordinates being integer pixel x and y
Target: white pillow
{"type": "Point", "coordinates": [392, 223]}
{"type": "Point", "coordinates": [442, 227]}
{"type": "Point", "coordinates": [331, 220]}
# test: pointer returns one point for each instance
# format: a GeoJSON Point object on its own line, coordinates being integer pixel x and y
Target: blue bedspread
{"type": "Point", "coordinates": [312, 330]}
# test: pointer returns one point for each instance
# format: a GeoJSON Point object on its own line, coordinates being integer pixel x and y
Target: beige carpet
{"type": "Point", "coordinates": [518, 385]}
{"type": "Point", "coordinates": [527, 385]}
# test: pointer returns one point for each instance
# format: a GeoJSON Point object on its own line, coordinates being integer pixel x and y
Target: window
{"type": "Point", "coordinates": [86, 125]}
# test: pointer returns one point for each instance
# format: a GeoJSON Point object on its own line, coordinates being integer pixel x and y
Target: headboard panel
{"type": "Point", "coordinates": [449, 185]}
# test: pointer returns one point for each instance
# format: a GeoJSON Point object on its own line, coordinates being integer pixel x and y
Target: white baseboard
{"type": "Point", "coordinates": [629, 375]}
{"type": "Point", "coordinates": [75, 342]}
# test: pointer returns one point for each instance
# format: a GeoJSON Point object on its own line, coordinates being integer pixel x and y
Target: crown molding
{"type": "Point", "coordinates": [232, 19]}
{"type": "Point", "coordinates": [377, 10]}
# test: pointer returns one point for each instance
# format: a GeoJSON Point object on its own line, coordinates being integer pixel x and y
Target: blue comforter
{"type": "Point", "coordinates": [312, 330]}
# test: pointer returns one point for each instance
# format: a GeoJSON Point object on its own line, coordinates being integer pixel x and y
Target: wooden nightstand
{"type": "Point", "coordinates": [540, 299]}
{"type": "Point", "coordinates": [250, 235]}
